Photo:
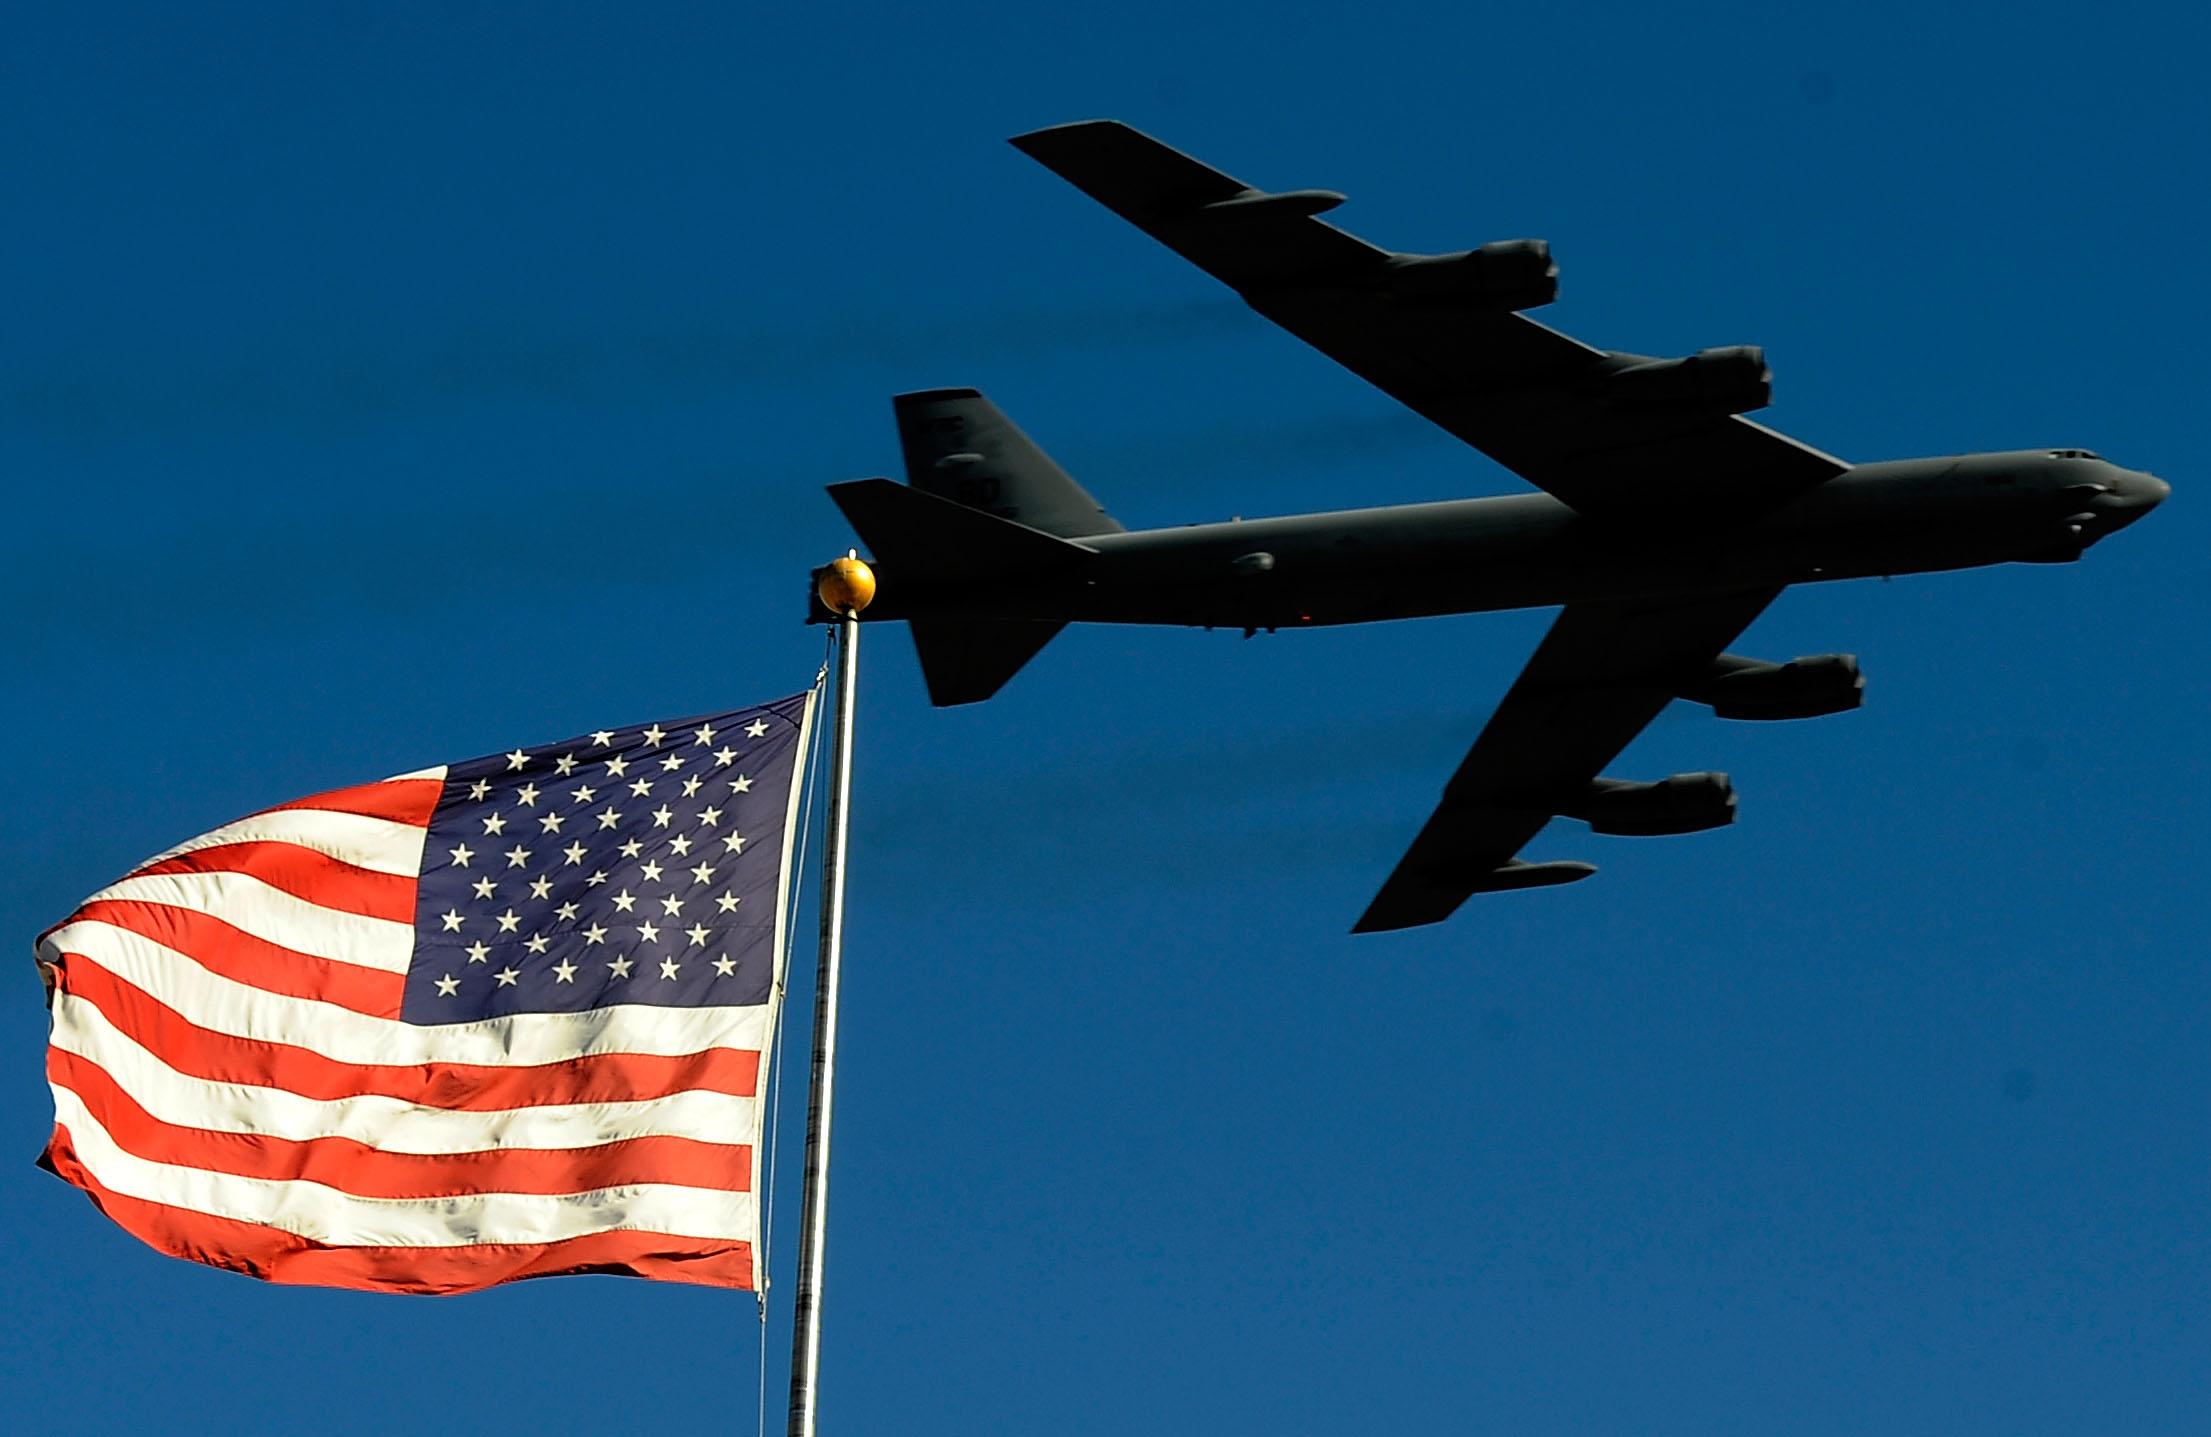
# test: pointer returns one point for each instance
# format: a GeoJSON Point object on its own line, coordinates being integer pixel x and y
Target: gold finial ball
{"type": "Point", "coordinates": [846, 586]}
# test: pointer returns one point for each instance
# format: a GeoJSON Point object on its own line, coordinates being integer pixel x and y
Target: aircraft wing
{"type": "Point", "coordinates": [1602, 673]}
{"type": "Point", "coordinates": [1543, 405]}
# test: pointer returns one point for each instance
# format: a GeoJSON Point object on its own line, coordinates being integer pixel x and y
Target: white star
{"type": "Point", "coordinates": [507, 976]}
{"type": "Point", "coordinates": [641, 787]}
{"type": "Point", "coordinates": [584, 793]}
{"type": "Point", "coordinates": [575, 852]}
{"type": "Point", "coordinates": [565, 765]}
{"type": "Point", "coordinates": [698, 935]}
{"type": "Point", "coordinates": [527, 793]}
{"type": "Point", "coordinates": [620, 967]}
{"type": "Point", "coordinates": [661, 815]}
{"type": "Point", "coordinates": [594, 934]}
{"type": "Point", "coordinates": [485, 888]}
{"type": "Point", "coordinates": [537, 943]}
{"type": "Point", "coordinates": [509, 921]}
{"type": "Point", "coordinates": [710, 815]}
{"type": "Point", "coordinates": [549, 822]}
{"type": "Point", "coordinates": [692, 785]}
{"type": "Point", "coordinates": [654, 735]}
{"type": "Point", "coordinates": [740, 784]}
{"type": "Point", "coordinates": [452, 917]}
{"type": "Point", "coordinates": [462, 854]}
{"type": "Point", "coordinates": [647, 933]}
{"type": "Point", "coordinates": [564, 971]}
{"type": "Point", "coordinates": [625, 901]}
{"type": "Point", "coordinates": [541, 888]}
{"type": "Point", "coordinates": [724, 965]}
{"type": "Point", "coordinates": [609, 818]}
{"type": "Point", "coordinates": [728, 902]}
{"type": "Point", "coordinates": [566, 913]}
{"type": "Point", "coordinates": [598, 876]}
{"type": "Point", "coordinates": [672, 762]}
{"type": "Point", "coordinates": [705, 735]}
{"type": "Point", "coordinates": [668, 967]}
{"type": "Point", "coordinates": [493, 823]}
{"type": "Point", "coordinates": [515, 761]}
{"type": "Point", "coordinates": [602, 737]}
{"type": "Point", "coordinates": [672, 906]}
{"type": "Point", "coordinates": [756, 728]}
{"type": "Point", "coordinates": [631, 849]}
{"type": "Point", "coordinates": [477, 951]}
{"type": "Point", "coordinates": [517, 856]}
{"type": "Point", "coordinates": [735, 843]}
{"type": "Point", "coordinates": [704, 873]}
{"type": "Point", "coordinates": [651, 870]}
{"type": "Point", "coordinates": [448, 986]}
{"type": "Point", "coordinates": [617, 766]}
{"type": "Point", "coordinates": [680, 845]}
{"type": "Point", "coordinates": [480, 789]}
{"type": "Point", "coordinates": [724, 756]}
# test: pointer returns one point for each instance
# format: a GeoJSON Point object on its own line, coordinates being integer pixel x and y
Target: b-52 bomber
{"type": "Point", "coordinates": [1666, 523]}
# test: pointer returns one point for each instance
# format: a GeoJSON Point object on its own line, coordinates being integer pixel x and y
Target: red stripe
{"type": "Point", "coordinates": [241, 957]}
{"type": "Point", "coordinates": [403, 800]}
{"type": "Point", "coordinates": [278, 1256]}
{"type": "Point", "coordinates": [304, 873]}
{"type": "Point", "coordinates": [356, 1168]}
{"type": "Point", "coordinates": [467, 1087]}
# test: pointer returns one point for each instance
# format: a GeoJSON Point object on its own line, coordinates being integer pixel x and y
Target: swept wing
{"type": "Point", "coordinates": [1551, 409]}
{"type": "Point", "coordinates": [1601, 674]}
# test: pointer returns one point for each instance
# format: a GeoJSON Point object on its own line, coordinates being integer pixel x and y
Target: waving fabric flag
{"type": "Point", "coordinates": [496, 1020]}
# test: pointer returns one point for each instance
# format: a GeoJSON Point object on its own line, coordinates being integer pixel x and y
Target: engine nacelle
{"type": "Point", "coordinates": [1731, 380]}
{"type": "Point", "coordinates": [1741, 688]}
{"type": "Point", "coordinates": [1684, 803]}
{"type": "Point", "coordinates": [1509, 275]}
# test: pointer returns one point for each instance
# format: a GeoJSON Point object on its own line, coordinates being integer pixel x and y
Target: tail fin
{"type": "Point", "coordinates": [963, 660]}
{"type": "Point", "coordinates": [959, 447]}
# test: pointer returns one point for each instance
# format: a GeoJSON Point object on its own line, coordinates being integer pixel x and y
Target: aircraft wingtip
{"type": "Point", "coordinates": [1023, 141]}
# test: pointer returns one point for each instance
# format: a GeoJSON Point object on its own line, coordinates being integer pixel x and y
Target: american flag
{"type": "Point", "coordinates": [500, 1019]}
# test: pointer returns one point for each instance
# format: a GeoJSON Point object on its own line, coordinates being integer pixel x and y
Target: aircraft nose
{"type": "Point", "coordinates": [2130, 494]}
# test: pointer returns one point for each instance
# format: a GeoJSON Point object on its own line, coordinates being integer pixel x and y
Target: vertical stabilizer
{"type": "Point", "coordinates": [959, 447]}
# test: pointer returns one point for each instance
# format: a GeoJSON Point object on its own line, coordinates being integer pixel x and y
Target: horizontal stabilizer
{"type": "Point", "coordinates": [920, 533]}
{"type": "Point", "coordinates": [965, 661]}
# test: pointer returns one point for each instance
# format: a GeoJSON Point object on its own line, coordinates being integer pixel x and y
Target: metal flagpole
{"type": "Point", "coordinates": [845, 588]}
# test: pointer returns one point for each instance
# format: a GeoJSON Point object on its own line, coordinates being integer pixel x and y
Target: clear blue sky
{"type": "Point", "coordinates": [389, 385]}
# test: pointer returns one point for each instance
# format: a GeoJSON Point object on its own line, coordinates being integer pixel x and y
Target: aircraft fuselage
{"type": "Point", "coordinates": [1529, 550]}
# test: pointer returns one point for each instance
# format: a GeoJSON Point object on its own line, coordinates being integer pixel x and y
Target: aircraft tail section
{"type": "Point", "coordinates": [965, 661]}
{"type": "Point", "coordinates": [913, 533]}
{"type": "Point", "coordinates": [918, 533]}
{"type": "Point", "coordinates": [958, 446]}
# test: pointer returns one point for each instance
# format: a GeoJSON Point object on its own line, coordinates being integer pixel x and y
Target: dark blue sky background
{"type": "Point", "coordinates": [387, 385]}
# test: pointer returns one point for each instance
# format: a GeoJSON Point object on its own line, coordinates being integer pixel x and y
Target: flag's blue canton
{"type": "Point", "coordinates": [635, 865]}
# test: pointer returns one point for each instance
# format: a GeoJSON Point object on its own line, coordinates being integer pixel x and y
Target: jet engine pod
{"type": "Point", "coordinates": [1731, 380]}
{"type": "Point", "coordinates": [1684, 803]}
{"type": "Point", "coordinates": [1741, 688]}
{"type": "Point", "coordinates": [1508, 274]}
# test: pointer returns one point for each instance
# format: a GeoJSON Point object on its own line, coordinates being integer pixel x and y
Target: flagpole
{"type": "Point", "coordinates": [845, 588]}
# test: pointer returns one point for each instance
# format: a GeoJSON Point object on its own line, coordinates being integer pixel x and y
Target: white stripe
{"type": "Point", "coordinates": [390, 1125]}
{"type": "Point", "coordinates": [381, 845]}
{"type": "Point", "coordinates": [436, 771]}
{"type": "Point", "coordinates": [324, 1214]}
{"type": "Point", "coordinates": [526, 1039]}
{"type": "Point", "coordinates": [268, 912]}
